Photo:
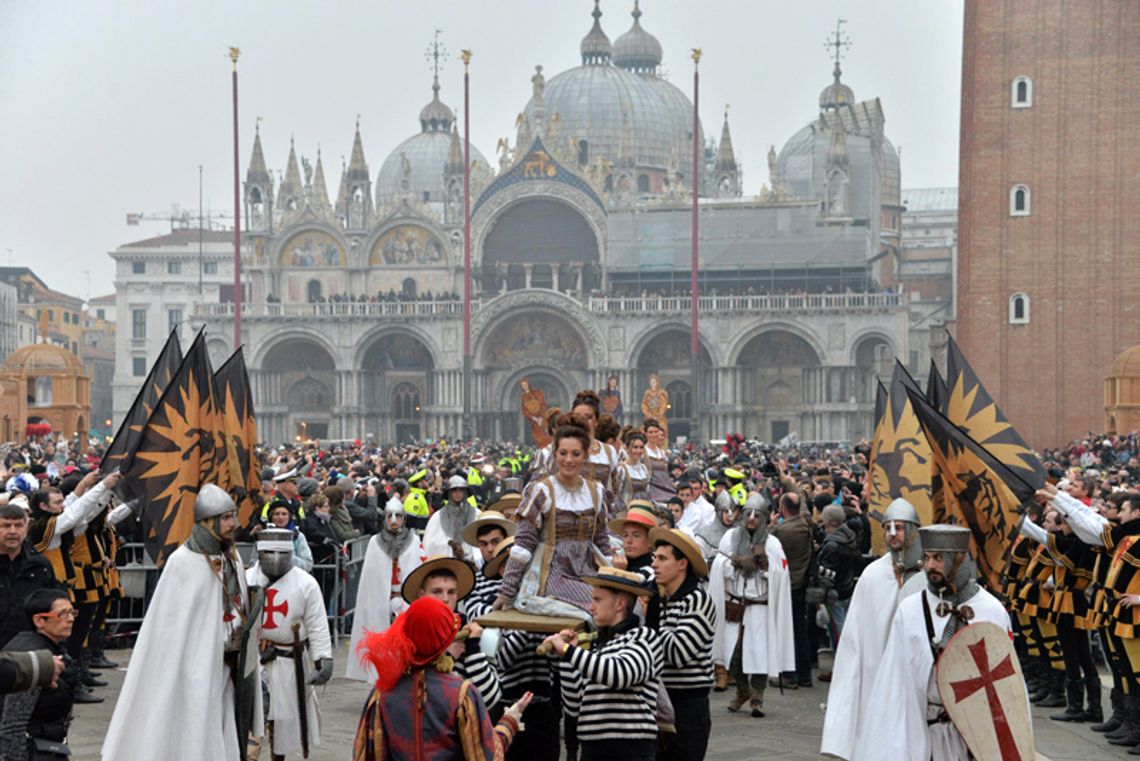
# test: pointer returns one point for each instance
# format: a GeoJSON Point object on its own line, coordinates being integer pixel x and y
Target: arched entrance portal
{"type": "Point", "coordinates": [395, 387]}
{"type": "Point", "coordinates": [300, 376]}
{"type": "Point", "coordinates": [541, 346]}
{"type": "Point", "coordinates": [773, 385]}
{"type": "Point", "coordinates": [667, 355]}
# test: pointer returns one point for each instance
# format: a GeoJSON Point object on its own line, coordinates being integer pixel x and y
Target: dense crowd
{"type": "Point", "coordinates": [735, 566]}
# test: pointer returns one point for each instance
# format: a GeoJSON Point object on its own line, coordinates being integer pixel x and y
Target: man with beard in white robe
{"type": "Point", "coordinates": [178, 699]}
{"type": "Point", "coordinates": [292, 597]}
{"type": "Point", "coordinates": [753, 595]}
{"type": "Point", "coordinates": [913, 725]}
{"type": "Point", "coordinates": [444, 532]}
{"type": "Point", "coordinates": [881, 587]}
{"type": "Point", "coordinates": [391, 555]}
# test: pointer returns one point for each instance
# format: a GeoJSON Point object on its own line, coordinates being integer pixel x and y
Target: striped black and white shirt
{"type": "Point", "coordinates": [686, 628]}
{"type": "Point", "coordinates": [479, 600]}
{"type": "Point", "coordinates": [615, 685]}
{"type": "Point", "coordinates": [482, 674]}
{"type": "Point", "coordinates": [521, 668]}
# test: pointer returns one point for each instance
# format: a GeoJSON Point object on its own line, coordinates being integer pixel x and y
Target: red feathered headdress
{"type": "Point", "coordinates": [415, 639]}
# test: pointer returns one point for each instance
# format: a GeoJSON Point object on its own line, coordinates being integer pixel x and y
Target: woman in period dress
{"type": "Point", "coordinates": [633, 474]}
{"type": "Point", "coordinates": [661, 486]}
{"type": "Point", "coordinates": [603, 460]}
{"type": "Point", "coordinates": [562, 535]}
{"type": "Point", "coordinates": [655, 403]}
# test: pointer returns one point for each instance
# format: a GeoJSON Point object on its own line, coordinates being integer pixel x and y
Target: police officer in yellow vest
{"type": "Point", "coordinates": [475, 480]}
{"type": "Point", "coordinates": [736, 488]}
{"type": "Point", "coordinates": [287, 493]}
{"type": "Point", "coordinates": [416, 508]}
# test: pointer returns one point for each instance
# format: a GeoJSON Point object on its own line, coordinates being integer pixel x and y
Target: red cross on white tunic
{"type": "Point", "coordinates": [986, 680]}
{"type": "Point", "coordinates": [271, 607]}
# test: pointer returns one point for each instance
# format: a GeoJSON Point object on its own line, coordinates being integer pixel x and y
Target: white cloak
{"type": "Point", "coordinates": [436, 541]}
{"type": "Point", "coordinates": [375, 607]}
{"type": "Point", "coordinates": [769, 644]}
{"type": "Point", "coordinates": [865, 630]}
{"type": "Point", "coordinates": [295, 597]}
{"type": "Point", "coordinates": [177, 700]}
{"type": "Point", "coordinates": [906, 683]}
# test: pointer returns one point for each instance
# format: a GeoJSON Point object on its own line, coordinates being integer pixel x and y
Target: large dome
{"type": "Point", "coordinates": [599, 101]}
{"type": "Point", "coordinates": [41, 359]}
{"type": "Point", "coordinates": [425, 155]}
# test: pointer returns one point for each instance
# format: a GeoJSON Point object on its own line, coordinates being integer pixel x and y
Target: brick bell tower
{"type": "Point", "coordinates": [1049, 216]}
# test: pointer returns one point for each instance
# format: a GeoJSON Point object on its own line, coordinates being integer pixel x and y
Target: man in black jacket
{"type": "Point", "coordinates": [836, 567]}
{"type": "Point", "coordinates": [42, 714]}
{"type": "Point", "coordinates": [22, 571]}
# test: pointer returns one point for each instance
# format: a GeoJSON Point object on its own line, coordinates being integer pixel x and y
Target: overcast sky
{"type": "Point", "coordinates": [109, 107]}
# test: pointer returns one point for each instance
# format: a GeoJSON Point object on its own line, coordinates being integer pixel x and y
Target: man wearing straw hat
{"type": "Point", "coordinates": [685, 618]}
{"type": "Point", "coordinates": [486, 533]}
{"type": "Point", "coordinates": [450, 580]}
{"type": "Point", "coordinates": [614, 685]}
{"type": "Point", "coordinates": [633, 528]}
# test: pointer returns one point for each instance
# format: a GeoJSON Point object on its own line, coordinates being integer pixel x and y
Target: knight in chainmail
{"type": "Point", "coordinates": [919, 726]}
{"type": "Point", "coordinates": [444, 532]}
{"type": "Point", "coordinates": [727, 516]}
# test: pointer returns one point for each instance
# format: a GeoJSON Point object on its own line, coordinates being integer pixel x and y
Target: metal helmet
{"type": "Point", "coordinates": [394, 513]}
{"type": "Point", "coordinates": [275, 552]}
{"type": "Point", "coordinates": [724, 502]}
{"type": "Point", "coordinates": [456, 482]}
{"type": "Point", "coordinates": [212, 501]}
{"type": "Point", "coordinates": [756, 503]}
{"type": "Point", "coordinates": [902, 511]}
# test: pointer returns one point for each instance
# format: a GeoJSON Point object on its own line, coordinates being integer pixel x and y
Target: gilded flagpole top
{"type": "Point", "coordinates": [696, 56]}
{"type": "Point", "coordinates": [234, 53]}
{"type": "Point", "coordinates": [466, 56]}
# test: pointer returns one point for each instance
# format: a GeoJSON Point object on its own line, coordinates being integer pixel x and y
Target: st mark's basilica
{"type": "Point", "coordinates": [580, 239]}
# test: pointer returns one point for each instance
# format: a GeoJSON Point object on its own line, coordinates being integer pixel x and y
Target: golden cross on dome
{"type": "Point", "coordinates": [839, 41]}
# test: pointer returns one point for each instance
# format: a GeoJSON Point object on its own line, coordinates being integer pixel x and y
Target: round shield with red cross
{"type": "Point", "coordinates": [983, 690]}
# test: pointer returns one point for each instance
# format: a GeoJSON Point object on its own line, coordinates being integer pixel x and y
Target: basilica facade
{"type": "Point", "coordinates": [580, 244]}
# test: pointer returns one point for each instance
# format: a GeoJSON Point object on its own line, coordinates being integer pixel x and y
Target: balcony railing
{"type": "Point", "coordinates": [784, 303]}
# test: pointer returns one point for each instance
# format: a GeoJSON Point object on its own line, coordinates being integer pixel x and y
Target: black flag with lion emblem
{"type": "Point", "coordinates": [239, 428]}
{"type": "Point", "coordinates": [176, 454]}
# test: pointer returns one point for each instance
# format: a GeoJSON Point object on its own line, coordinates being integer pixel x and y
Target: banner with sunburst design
{"type": "Point", "coordinates": [970, 407]}
{"type": "Point", "coordinates": [980, 492]}
{"type": "Point", "coordinates": [937, 393]}
{"type": "Point", "coordinates": [900, 464]}
{"type": "Point", "coordinates": [177, 453]}
{"type": "Point", "coordinates": [239, 432]}
{"type": "Point", "coordinates": [129, 435]}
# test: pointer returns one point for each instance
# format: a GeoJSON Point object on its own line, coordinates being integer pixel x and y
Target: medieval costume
{"type": "Point", "coordinates": [192, 659]}
{"type": "Point", "coordinates": [881, 587]}
{"type": "Point", "coordinates": [444, 533]}
{"type": "Point", "coordinates": [419, 709]}
{"type": "Point", "coordinates": [391, 555]}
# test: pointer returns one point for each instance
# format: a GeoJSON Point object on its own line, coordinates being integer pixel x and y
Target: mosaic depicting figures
{"type": "Point", "coordinates": [408, 244]}
{"type": "Point", "coordinates": [312, 249]}
{"type": "Point", "coordinates": [540, 339]}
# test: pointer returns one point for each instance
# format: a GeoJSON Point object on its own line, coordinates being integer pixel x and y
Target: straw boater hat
{"type": "Point", "coordinates": [640, 513]}
{"type": "Point", "coordinates": [619, 581]}
{"type": "Point", "coordinates": [502, 553]}
{"type": "Point", "coordinates": [686, 545]}
{"type": "Point", "coordinates": [465, 577]}
{"type": "Point", "coordinates": [487, 518]}
{"type": "Point", "coordinates": [509, 500]}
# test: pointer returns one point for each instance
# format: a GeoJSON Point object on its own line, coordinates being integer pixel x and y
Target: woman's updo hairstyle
{"type": "Point", "coordinates": [550, 419]}
{"type": "Point", "coordinates": [590, 399]}
{"type": "Point", "coordinates": [607, 428]}
{"type": "Point", "coordinates": [635, 435]}
{"type": "Point", "coordinates": [572, 427]}
{"type": "Point", "coordinates": [651, 422]}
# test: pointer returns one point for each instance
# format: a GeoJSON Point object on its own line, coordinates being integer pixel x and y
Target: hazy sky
{"type": "Point", "coordinates": [109, 107]}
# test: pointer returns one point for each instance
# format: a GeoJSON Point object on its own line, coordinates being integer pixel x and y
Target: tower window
{"type": "Point", "coordinates": [1021, 92]}
{"type": "Point", "coordinates": [643, 183]}
{"type": "Point", "coordinates": [1019, 201]}
{"type": "Point", "coordinates": [1019, 309]}
{"type": "Point", "coordinates": [210, 268]}
{"type": "Point", "coordinates": [174, 267]}
{"type": "Point", "coordinates": [138, 268]}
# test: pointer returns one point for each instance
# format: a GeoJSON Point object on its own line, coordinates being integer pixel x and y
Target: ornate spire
{"type": "Point", "coordinates": [725, 156]}
{"type": "Point", "coordinates": [357, 166]}
{"type": "Point", "coordinates": [454, 154]}
{"type": "Point", "coordinates": [595, 47]}
{"type": "Point", "coordinates": [342, 192]}
{"type": "Point", "coordinates": [292, 189]}
{"type": "Point", "coordinates": [257, 171]}
{"type": "Point", "coordinates": [320, 193]}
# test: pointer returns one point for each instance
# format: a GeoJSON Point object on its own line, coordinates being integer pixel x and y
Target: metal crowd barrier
{"type": "Point", "coordinates": [138, 578]}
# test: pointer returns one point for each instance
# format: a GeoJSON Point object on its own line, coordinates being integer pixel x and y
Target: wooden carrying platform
{"type": "Point", "coordinates": [513, 619]}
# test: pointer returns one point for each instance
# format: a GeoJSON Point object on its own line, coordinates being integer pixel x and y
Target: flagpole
{"type": "Point", "coordinates": [234, 53]}
{"type": "Point", "coordinates": [694, 283]}
{"type": "Point", "coordinates": [468, 428]}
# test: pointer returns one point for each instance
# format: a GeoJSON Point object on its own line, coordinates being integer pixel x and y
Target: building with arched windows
{"type": "Point", "coordinates": [580, 246]}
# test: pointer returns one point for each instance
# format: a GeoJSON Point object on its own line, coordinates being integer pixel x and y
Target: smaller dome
{"type": "Point", "coordinates": [637, 49]}
{"type": "Point", "coordinates": [1127, 364]}
{"type": "Point", "coordinates": [595, 47]}
{"type": "Point", "coordinates": [39, 359]}
{"type": "Point", "coordinates": [436, 116]}
{"type": "Point", "coordinates": [836, 94]}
